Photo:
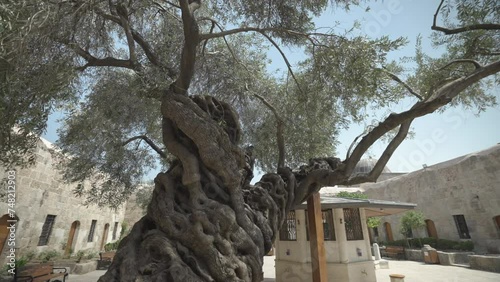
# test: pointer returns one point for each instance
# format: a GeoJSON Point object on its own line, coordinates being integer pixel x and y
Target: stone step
{"type": "Point", "coordinates": [465, 265]}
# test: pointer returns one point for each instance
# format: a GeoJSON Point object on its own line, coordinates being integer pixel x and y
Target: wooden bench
{"type": "Point", "coordinates": [107, 256]}
{"type": "Point", "coordinates": [396, 252]}
{"type": "Point", "coordinates": [41, 272]}
{"type": "Point", "coordinates": [105, 260]}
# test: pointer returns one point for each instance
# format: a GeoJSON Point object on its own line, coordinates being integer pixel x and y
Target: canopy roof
{"type": "Point", "coordinates": [372, 207]}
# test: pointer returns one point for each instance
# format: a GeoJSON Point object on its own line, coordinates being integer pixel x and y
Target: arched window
{"type": "Point", "coordinates": [388, 232]}
{"type": "Point", "coordinates": [431, 228]}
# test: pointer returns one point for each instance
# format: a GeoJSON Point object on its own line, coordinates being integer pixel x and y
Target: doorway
{"type": "Point", "coordinates": [104, 236]}
{"type": "Point", "coordinates": [73, 231]}
{"type": "Point", "coordinates": [388, 232]}
{"type": "Point", "coordinates": [431, 229]}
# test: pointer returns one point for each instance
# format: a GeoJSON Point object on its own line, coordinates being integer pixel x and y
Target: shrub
{"type": "Point", "coordinates": [80, 255]}
{"type": "Point", "coordinates": [46, 256]}
{"type": "Point", "coordinates": [439, 244]}
{"type": "Point", "coordinates": [30, 255]}
{"type": "Point", "coordinates": [91, 255]}
{"type": "Point", "coordinates": [112, 246]}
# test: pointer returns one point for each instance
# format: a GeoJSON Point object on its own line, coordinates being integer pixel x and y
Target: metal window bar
{"type": "Point", "coordinates": [463, 230]}
{"type": "Point", "coordinates": [115, 230]}
{"type": "Point", "coordinates": [91, 232]}
{"type": "Point", "coordinates": [46, 230]}
{"type": "Point", "coordinates": [353, 227]}
{"type": "Point", "coordinates": [288, 231]}
{"type": "Point", "coordinates": [328, 227]}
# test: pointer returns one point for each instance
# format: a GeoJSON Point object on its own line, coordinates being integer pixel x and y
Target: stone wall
{"type": "Point", "coordinates": [40, 191]}
{"type": "Point", "coordinates": [132, 212]}
{"type": "Point", "coordinates": [467, 185]}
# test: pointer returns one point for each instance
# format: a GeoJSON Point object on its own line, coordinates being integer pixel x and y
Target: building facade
{"type": "Point", "coordinates": [46, 213]}
{"type": "Point", "coordinates": [460, 200]}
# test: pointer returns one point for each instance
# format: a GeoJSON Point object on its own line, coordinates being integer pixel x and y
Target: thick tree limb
{"type": "Point", "coordinates": [448, 31]}
{"type": "Point", "coordinates": [191, 40]}
{"type": "Point", "coordinates": [149, 142]}
{"type": "Point", "coordinates": [405, 85]}
{"type": "Point", "coordinates": [279, 131]}
{"type": "Point", "coordinates": [474, 62]}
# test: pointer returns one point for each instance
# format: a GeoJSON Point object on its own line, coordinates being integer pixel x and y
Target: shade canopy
{"type": "Point", "coordinates": [372, 207]}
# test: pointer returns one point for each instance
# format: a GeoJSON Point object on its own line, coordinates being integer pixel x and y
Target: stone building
{"type": "Point", "coordinates": [49, 215]}
{"type": "Point", "coordinates": [460, 199]}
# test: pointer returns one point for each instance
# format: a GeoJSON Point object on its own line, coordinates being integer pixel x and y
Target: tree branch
{"type": "Point", "coordinates": [405, 85]}
{"type": "Point", "coordinates": [263, 32]}
{"type": "Point", "coordinates": [191, 40]}
{"type": "Point", "coordinates": [442, 96]}
{"type": "Point", "coordinates": [474, 62]}
{"type": "Point", "coordinates": [279, 131]}
{"type": "Point", "coordinates": [384, 158]}
{"type": "Point", "coordinates": [145, 46]}
{"type": "Point", "coordinates": [97, 62]}
{"type": "Point", "coordinates": [448, 31]}
{"type": "Point", "coordinates": [148, 141]}
{"type": "Point", "coordinates": [123, 14]}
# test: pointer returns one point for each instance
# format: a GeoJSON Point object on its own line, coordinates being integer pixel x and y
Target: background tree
{"type": "Point", "coordinates": [410, 222]}
{"type": "Point", "coordinates": [161, 83]}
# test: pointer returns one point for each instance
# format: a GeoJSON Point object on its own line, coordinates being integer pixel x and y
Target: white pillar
{"type": "Point", "coordinates": [366, 234]}
{"type": "Point", "coordinates": [338, 216]}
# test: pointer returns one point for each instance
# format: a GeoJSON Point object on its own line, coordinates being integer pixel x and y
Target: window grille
{"type": "Point", "coordinates": [91, 232]}
{"type": "Point", "coordinates": [328, 227]}
{"type": "Point", "coordinates": [288, 231]}
{"type": "Point", "coordinates": [46, 230]}
{"type": "Point", "coordinates": [115, 230]}
{"type": "Point", "coordinates": [463, 230]}
{"type": "Point", "coordinates": [352, 221]}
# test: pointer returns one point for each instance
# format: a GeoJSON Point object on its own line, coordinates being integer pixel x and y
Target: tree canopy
{"type": "Point", "coordinates": [184, 85]}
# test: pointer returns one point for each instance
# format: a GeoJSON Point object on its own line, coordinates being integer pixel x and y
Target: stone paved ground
{"type": "Point", "coordinates": [413, 271]}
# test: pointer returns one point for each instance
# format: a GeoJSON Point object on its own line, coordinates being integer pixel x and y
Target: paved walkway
{"type": "Point", "coordinates": [413, 271]}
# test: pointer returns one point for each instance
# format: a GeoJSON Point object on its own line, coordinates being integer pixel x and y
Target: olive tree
{"type": "Point", "coordinates": [184, 85]}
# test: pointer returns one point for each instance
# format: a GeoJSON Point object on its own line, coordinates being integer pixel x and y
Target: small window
{"type": "Point", "coordinates": [46, 230]}
{"type": "Point", "coordinates": [497, 222]}
{"type": "Point", "coordinates": [288, 231]}
{"type": "Point", "coordinates": [375, 231]}
{"type": "Point", "coordinates": [353, 227]}
{"type": "Point", "coordinates": [463, 230]}
{"type": "Point", "coordinates": [115, 230]}
{"type": "Point", "coordinates": [328, 227]}
{"type": "Point", "coordinates": [91, 232]}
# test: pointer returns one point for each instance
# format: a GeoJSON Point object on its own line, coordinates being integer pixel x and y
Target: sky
{"type": "Point", "coordinates": [438, 137]}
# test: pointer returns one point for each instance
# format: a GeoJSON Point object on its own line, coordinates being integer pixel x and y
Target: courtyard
{"type": "Point", "coordinates": [413, 271]}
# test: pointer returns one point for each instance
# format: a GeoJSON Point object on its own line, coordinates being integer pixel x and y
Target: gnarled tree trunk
{"type": "Point", "coordinates": [205, 221]}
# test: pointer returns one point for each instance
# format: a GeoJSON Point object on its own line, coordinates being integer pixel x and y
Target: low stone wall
{"type": "Point", "coordinates": [86, 267]}
{"type": "Point", "coordinates": [485, 262]}
{"type": "Point", "coordinates": [446, 258]}
{"type": "Point", "coordinates": [414, 255]}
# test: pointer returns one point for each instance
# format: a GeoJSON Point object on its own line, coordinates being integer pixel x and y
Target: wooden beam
{"type": "Point", "coordinates": [317, 240]}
